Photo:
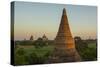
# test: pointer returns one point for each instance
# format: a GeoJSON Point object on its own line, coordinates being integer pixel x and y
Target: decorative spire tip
{"type": "Point", "coordinates": [64, 11]}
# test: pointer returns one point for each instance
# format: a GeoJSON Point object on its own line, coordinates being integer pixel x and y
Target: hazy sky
{"type": "Point", "coordinates": [37, 19]}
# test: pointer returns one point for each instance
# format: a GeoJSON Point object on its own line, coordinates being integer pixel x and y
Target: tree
{"type": "Point", "coordinates": [39, 43]}
{"type": "Point", "coordinates": [20, 57]}
{"type": "Point", "coordinates": [77, 38]}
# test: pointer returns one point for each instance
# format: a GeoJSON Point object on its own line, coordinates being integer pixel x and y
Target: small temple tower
{"type": "Point", "coordinates": [44, 38]}
{"type": "Point", "coordinates": [31, 38]}
{"type": "Point", "coordinates": [64, 43]}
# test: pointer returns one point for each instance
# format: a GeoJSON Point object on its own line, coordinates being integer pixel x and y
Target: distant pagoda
{"type": "Point", "coordinates": [31, 38]}
{"type": "Point", "coordinates": [44, 38]}
{"type": "Point", "coordinates": [64, 43]}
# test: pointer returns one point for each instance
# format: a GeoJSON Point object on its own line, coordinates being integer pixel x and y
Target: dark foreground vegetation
{"type": "Point", "coordinates": [87, 49]}
{"type": "Point", "coordinates": [38, 51]}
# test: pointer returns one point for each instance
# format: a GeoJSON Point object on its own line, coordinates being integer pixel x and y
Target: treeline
{"type": "Point", "coordinates": [42, 50]}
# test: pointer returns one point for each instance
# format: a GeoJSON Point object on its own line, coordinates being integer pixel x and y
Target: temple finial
{"type": "Point", "coordinates": [64, 11]}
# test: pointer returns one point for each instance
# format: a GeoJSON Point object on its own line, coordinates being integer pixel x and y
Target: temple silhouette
{"type": "Point", "coordinates": [64, 50]}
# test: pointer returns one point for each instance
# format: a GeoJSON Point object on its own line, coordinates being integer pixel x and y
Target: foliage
{"type": "Point", "coordinates": [32, 55]}
{"type": "Point", "coordinates": [85, 49]}
{"type": "Point", "coordinates": [20, 57]}
{"type": "Point", "coordinates": [89, 54]}
{"type": "Point", "coordinates": [39, 43]}
{"type": "Point", "coordinates": [38, 59]}
{"type": "Point", "coordinates": [24, 42]}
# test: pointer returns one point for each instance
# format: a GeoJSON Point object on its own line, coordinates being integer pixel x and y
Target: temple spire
{"type": "Point", "coordinates": [64, 11]}
{"type": "Point", "coordinates": [65, 50]}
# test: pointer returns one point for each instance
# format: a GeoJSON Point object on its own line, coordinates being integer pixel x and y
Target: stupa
{"type": "Point", "coordinates": [65, 50]}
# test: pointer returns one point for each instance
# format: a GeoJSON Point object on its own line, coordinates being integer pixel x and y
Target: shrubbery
{"type": "Point", "coordinates": [24, 57]}
{"type": "Point", "coordinates": [86, 53]}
